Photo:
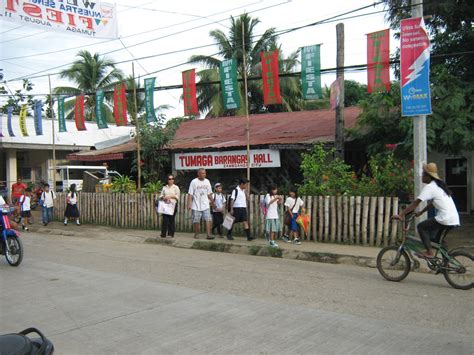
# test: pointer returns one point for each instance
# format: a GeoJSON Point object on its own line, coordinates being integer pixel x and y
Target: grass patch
{"type": "Point", "coordinates": [274, 252]}
{"type": "Point", "coordinates": [254, 249]}
{"type": "Point", "coordinates": [211, 246]}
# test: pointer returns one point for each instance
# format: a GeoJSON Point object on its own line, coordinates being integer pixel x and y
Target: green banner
{"type": "Point", "coordinates": [230, 89]}
{"type": "Point", "coordinates": [150, 107]}
{"type": "Point", "coordinates": [311, 72]}
{"type": "Point", "coordinates": [61, 116]}
{"type": "Point", "coordinates": [99, 110]}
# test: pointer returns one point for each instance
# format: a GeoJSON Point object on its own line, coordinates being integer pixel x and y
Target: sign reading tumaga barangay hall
{"type": "Point", "coordinates": [93, 19]}
{"type": "Point", "coordinates": [237, 159]}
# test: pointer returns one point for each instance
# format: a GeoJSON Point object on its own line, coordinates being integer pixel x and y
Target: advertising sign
{"type": "Point", "coordinates": [236, 159]}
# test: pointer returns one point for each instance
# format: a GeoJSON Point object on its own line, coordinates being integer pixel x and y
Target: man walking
{"type": "Point", "coordinates": [238, 208]}
{"type": "Point", "coordinates": [47, 197]}
{"type": "Point", "coordinates": [199, 197]}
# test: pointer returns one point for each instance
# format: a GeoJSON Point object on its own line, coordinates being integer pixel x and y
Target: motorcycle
{"type": "Point", "coordinates": [21, 344]}
{"type": "Point", "coordinates": [10, 243]}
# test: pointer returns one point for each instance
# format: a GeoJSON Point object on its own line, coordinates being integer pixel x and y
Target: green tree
{"type": "Point", "coordinates": [19, 97]}
{"type": "Point", "coordinates": [354, 92]}
{"type": "Point", "coordinates": [230, 46]}
{"type": "Point", "coordinates": [90, 72]}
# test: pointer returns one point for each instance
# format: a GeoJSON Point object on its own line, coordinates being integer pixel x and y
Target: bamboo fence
{"type": "Point", "coordinates": [335, 219]}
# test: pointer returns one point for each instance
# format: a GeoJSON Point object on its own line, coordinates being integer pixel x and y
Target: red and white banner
{"type": "Point", "coordinates": [79, 113]}
{"type": "Point", "coordinates": [189, 93]}
{"type": "Point", "coordinates": [270, 77]}
{"type": "Point", "coordinates": [236, 159]}
{"type": "Point", "coordinates": [378, 61]}
{"type": "Point", "coordinates": [120, 105]}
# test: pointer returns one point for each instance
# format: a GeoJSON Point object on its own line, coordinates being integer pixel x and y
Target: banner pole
{"type": "Point", "coordinates": [137, 129]}
{"type": "Point", "coordinates": [246, 104]}
{"type": "Point", "coordinates": [53, 134]}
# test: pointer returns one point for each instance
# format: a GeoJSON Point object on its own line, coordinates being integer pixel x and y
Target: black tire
{"type": "Point", "coordinates": [15, 255]}
{"type": "Point", "coordinates": [463, 279]}
{"type": "Point", "coordinates": [393, 265]}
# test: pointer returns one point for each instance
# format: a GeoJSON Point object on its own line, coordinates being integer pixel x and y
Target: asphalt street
{"type": "Point", "coordinates": [93, 296]}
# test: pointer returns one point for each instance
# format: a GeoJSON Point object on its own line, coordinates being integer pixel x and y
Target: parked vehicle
{"type": "Point", "coordinates": [21, 344]}
{"type": "Point", "coordinates": [10, 244]}
{"type": "Point", "coordinates": [74, 174]}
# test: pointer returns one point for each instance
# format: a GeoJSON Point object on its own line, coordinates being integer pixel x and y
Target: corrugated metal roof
{"type": "Point", "coordinates": [111, 153]}
{"type": "Point", "coordinates": [273, 128]}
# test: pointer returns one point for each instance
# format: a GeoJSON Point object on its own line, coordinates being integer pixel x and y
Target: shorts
{"type": "Point", "coordinates": [272, 225]}
{"type": "Point", "coordinates": [240, 214]}
{"type": "Point", "coordinates": [205, 215]}
{"type": "Point", "coordinates": [294, 225]}
{"type": "Point", "coordinates": [25, 214]}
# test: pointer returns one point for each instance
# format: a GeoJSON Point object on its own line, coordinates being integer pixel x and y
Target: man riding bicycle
{"type": "Point", "coordinates": [439, 196]}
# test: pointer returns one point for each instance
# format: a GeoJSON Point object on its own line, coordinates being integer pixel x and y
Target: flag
{"type": "Point", "coordinates": [23, 129]}
{"type": "Point", "coordinates": [149, 105]}
{"type": "Point", "coordinates": [9, 122]}
{"type": "Point", "coordinates": [378, 61]}
{"type": "Point", "coordinates": [311, 72]}
{"type": "Point", "coordinates": [37, 108]}
{"type": "Point", "coordinates": [120, 105]}
{"type": "Point", "coordinates": [189, 93]}
{"type": "Point", "coordinates": [335, 95]}
{"type": "Point", "coordinates": [415, 68]}
{"type": "Point", "coordinates": [79, 113]}
{"type": "Point", "coordinates": [99, 110]}
{"type": "Point", "coordinates": [271, 80]}
{"type": "Point", "coordinates": [230, 89]}
{"type": "Point", "coordinates": [61, 116]}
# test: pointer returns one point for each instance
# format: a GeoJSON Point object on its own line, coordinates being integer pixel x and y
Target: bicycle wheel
{"type": "Point", "coordinates": [459, 270]}
{"type": "Point", "coordinates": [394, 265]}
{"type": "Point", "coordinates": [15, 255]}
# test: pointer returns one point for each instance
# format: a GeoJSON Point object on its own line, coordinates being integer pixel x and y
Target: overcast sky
{"type": "Point", "coordinates": [166, 19]}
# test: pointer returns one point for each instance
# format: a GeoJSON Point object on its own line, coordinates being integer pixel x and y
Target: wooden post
{"type": "Point", "coordinates": [137, 133]}
{"type": "Point", "coordinates": [321, 218]}
{"type": "Point", "coordinates": [358, 201]}
{"type": "Point", "coordinates": [309, 210]}
{"type": "Point", "coordinates": [365, 216]}
{"type": "Point", "coordinates": [378, 241]}
{"type": "Point", "coordinates": [314, 219]}
{"type": "Point", "coordinates": [326, 218]}
{"type": "Point", "coordinates": [373, 208]}
{"type": "Point", "coordinates": [351, 219]}
{"type": "Point", "coordinates": [333, 218]}
{"type": "Point", "coordinates": [339, 219]}
{"type": "Point", "coordinates": [339, 141]}
{"type": "Point", "coordinates": [386, 231]}
{"type": "Point", "coordinates": [393, 233]}
{"type": "Point", "coordinates": [345, 232]}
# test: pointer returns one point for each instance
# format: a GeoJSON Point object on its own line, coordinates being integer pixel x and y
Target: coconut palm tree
{"type": "Point", "coordinates": [90, 72]}
{"type": "Point", "coordinates": [230, 46]}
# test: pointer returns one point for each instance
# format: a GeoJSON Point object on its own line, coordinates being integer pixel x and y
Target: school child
{"type": "Point", "coordinates": [272, 220]}
{"type": "Point", "coordinates": [71, 208]}
{"type": "Point", "coordinates": [25, 208]}
{"type": "Point", "coordinates": [293, 204]}
{"type": "Point", "coordinates": [47, 198]}
{"type": "Point", "coordinates": [218, 203]}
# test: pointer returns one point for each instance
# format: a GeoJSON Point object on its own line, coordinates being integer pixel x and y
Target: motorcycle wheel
{"type": "Point", "coordinates": [15, 255]}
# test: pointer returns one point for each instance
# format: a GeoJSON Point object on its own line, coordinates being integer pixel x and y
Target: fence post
{"type": "Point", "coordinates": [380, 214]}
{"type": "Point", "coordinates": [393, 233]}
{"type": "Point", "coordinates": [326, 218]}
{"type": "Point", "coordinates": [345, 232]}
{"type": "Point", "coordinates": [365, 215]}
{"type": "Point", "coordinates": [357, 221]}
{"type": "Point", "coordinates": [386, 224]}
{"type": "Point", "coordinates": [333, 218]}
{"type": "Point", "coordinates": [351, 219]}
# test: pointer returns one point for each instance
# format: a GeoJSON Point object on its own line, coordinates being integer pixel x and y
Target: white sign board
{"type": "Point", "coordinates": [88, 18]}
{"type": "Point", "coordinates": [236, 159]}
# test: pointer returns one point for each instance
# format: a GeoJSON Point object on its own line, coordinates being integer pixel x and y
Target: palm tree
{"type": "Point", "coordinates": [90, 72]}
{"type": "Point", "coordinates": [230, 46]}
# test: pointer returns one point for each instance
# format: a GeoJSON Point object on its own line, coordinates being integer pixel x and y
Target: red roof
{"type": "Point", "coordinates": [300, 127]}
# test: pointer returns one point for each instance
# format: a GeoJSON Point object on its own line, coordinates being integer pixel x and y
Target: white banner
{"type": "Point", "coordinates": [93, 19]}
{"type": "Point", "coordinates": [236, 159]}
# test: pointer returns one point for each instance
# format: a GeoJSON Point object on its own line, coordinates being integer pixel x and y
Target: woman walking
{"type": "Point", "coordinates": [71, 207]}
{"type": "Point", "coordinates": [293, 204]}
{"type": "Point", "coordinates": [272, 220]}
{"type": "Point", "coordinates": [169, 194]}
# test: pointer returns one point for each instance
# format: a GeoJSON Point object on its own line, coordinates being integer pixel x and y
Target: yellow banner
{"type": "Point", "coordinates": [23, 129]}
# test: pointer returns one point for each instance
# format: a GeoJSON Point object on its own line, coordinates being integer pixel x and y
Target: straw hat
{"type": "Point", "coordinates": [432, 170]}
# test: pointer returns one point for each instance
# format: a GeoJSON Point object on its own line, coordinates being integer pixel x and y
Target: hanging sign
{"type": "Point", "coordinates": [189, 93]}
{"type": "Point", "coordinates": [335, 95]}
{"type": "Point", "coordinates": [37, 108]}
{"type": "Point", "coordinates": [415, 68]}
{"type": "Point", "coordinates": [79, 113]}
{"type": "Point", "coordinates": [92, 19]}
{"type": "Point", "coordinates": [61, 116]}
{"type": "Point", "coordinates": [311, 72]}
{"type": "Point", "coordinates": [23, 129]}
{"type": "Point", "coordinates": [236, 159]}
{"type": "Point", "coordinates": [99, 110]}
{"type": "Point", "coordinates": [378, 61]}
{"type": "Point", "coordinates": [9, 121]}
{"type": "Point", "coordinates": [229, 87]}
{"type": "Point", "coordinates": [120, 105]}
{"type": "Point", "coordinates": [271, 80]}
{"type": "Point", "coordinates": [149, 104]}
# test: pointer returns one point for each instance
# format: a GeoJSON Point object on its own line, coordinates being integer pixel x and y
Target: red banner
{"type": "Point", "coordinates": [378, 61]}
{"type": "Point", "coordinates": [120, 105]}
{"type": "Point", "coordinates": [271, 80]}
{"type": "Point", "coordinates": [79, 113]}
{"type": "Point", "coordinates": [189, 93]}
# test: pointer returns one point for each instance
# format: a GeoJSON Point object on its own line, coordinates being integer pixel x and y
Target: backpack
{"type": "Point", "coordinates": [263, 206]}
{"type": "Point", "coordinates": [230, 197]}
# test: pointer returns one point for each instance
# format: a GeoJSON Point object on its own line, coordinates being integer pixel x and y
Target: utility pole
{"type": "Point", "coordinates": [137, 131]}
{"type": "Point", "coordinates": [246, 104]}
{"type": "Point", "coordinates": [52, 131]}
{"type": "Point", "coordinates": [339, 139]}
{"type": "Point", "coordinates": [419, 123]}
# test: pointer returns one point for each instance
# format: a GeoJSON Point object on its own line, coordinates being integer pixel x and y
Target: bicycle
{"type": "Point", "coordinates": [396, 261]}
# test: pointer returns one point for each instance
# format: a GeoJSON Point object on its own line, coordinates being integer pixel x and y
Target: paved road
{"type": "Point", "coordinates": [99, 296]}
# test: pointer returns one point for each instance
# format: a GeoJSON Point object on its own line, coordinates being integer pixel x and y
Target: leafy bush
{"type": "Point", "coordinates": [153, 187]}
{"type": "Point", "coordinates": [123, 184]}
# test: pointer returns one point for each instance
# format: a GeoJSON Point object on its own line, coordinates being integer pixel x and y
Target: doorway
{"type": "Point", "coordinates": [456, 179]}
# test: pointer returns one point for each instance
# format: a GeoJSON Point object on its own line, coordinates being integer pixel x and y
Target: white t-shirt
{"type": "Point", "coordinates": [290, 201]}
{"type": "Point", "coordinates": [25, 202]}
{"type": "Point", "coordinates": [72, 200]}
{"type": "Point", "coordinates": [219, 201]}
{"type": "Point", "coordinates": [241, 200]}
{"type": "Point", "coordinates": [272, 211]}
{"type": "Point", "coordinates": [48, 198]}
{"type": "Point", "coordinates": [2, 201]}
{"type": "Point", "coordinates": [446, 212]}
{"type": "Point", "coordinates": [200, 190]}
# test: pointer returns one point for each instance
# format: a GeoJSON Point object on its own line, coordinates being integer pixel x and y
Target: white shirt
{"type": "Point", "coordinates": [72, 200]}
{"type": "Point", "coordinates": [200, 190]}
{"type": "Point", "coordinates": [2, 201]}
{"type": "Point", "coordinates": [446, 212]}
{"type": "Point", "coordinates": [272, 211]}
{"type": "Point", "coordinates": [25, 202]}
{"type": "Point", "coordinates": [290, 201]}
{"type": "Point", "coordinates": [219, 201]}
{"type": "Point", "coordinates": [172, 190]}
{"type": "Point", "coordinates": [241, 200]}
{"type": "Point", "coordinates": [48, 198]}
